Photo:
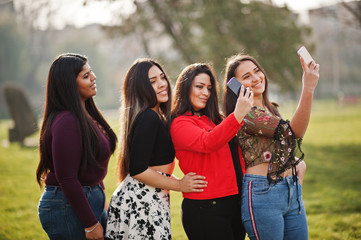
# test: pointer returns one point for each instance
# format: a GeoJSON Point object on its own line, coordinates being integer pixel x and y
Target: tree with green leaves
{"type": "Point", "coordinates": [212, 30]}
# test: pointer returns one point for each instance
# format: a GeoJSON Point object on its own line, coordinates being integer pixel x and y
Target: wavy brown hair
{"type": "Point", "coordinates": [137, 95]}
{"type": "Point", "coordinates": [229, 99]}
{"type": "Point", "coordinates": [182, 103]}
{"type": "Point", "coordinates": [62, 94]}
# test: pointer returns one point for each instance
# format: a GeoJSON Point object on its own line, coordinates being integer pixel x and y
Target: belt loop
{"type": "Point", "coordinates": [85, 190]}
{"type": "Point", "coordinates": [56, 188]}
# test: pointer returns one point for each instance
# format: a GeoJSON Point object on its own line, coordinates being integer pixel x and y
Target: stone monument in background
{"type": "Point", "coordinates": [21, 112]}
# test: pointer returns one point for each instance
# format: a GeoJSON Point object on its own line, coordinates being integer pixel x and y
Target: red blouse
{"type": "Point", "coordinates": [202, 147]}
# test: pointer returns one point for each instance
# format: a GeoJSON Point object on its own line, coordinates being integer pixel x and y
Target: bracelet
{"type": "Point", "coordinates": [88, 231]}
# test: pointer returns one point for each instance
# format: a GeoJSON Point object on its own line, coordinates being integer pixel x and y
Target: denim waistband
{"type": "Point", "coordinates": [51, 188]}
{"type": "Point", "coordinates": [292, 180]}
{"type": "Point", "coordinates": [259, 178]}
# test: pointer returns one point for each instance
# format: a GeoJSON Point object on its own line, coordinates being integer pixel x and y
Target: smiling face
{"type": "Point", "coordinates": [252, 77]}
{"type": "Point", "coordinates": [160, 85]}
{"type": "Point", "coordinates": [200, 91]}
{"type": "Point", "coordinates": [86, 83]}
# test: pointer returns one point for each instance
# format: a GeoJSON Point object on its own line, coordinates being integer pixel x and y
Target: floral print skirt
{"type": "Point", "coordinates": [138, 211]}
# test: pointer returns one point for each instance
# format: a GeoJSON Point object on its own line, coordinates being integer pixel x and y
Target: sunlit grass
{"type": "Point", "coordinates": [331, 189]}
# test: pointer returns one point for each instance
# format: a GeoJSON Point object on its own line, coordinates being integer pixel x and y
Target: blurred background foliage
{"type": "Point", "coordinates": [213, 30]}
{"type": "Point", "coordinates": [178, 33]}
{"type": "Point", "coordinates": [181, 32]}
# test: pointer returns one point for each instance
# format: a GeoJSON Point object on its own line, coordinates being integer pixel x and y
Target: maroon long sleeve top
{"type": "Point", "coordinates": [65, 144]}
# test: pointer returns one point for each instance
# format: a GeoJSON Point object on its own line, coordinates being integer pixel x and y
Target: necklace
{"type": "Point", "coordinates": [198, 114]}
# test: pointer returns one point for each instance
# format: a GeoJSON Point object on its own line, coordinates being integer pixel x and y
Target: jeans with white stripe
{"type": "Point", "coordinates": [271, 210]}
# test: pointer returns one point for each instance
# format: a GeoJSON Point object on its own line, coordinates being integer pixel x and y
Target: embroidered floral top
{"type": "Point", "coordinates": [267, 138]}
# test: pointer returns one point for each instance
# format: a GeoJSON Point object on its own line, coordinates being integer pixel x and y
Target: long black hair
{"type": "Point", "coordinates": [229, 99]}
{"type": "Point", "coordinates": [62, 95]}
{"type": "Point", "coordinates": [137, 95]}
{"type": "Point", "coordinates": [182, 102]}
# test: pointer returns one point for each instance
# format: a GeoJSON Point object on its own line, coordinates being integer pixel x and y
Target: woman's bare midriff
{"type": "Point", "coordinates": [262, 169]}
{"type": "Point", "coordinates": [167, 168]}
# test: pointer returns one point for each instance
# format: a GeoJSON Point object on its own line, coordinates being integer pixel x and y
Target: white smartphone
{"type": "Point", "coordinates": [305, 55]}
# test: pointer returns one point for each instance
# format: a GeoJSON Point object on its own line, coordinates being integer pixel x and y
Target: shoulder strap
{"type": "Point", "coordinates": [237, 166]}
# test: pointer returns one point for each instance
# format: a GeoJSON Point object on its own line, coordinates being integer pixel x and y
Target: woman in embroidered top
{"type": "Point", "coordinates": [139, 207]}
{"type": "Point", "coordinates": [200, 140]}
{"type": "Point", "coordinates": [75, 145]}
{"type": "Point", "coordinates": [272, 206]}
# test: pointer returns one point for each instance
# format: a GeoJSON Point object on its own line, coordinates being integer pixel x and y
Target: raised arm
{"type": "Point", "coordinates": [189, 135]}
{"type": "Point", "coordinates": [302, 115]}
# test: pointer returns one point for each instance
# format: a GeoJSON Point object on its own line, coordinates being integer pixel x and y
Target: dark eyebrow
{"type": "Point", "coordinates": [248, 72]}
{"type": "Point", "coordinates": [162, 75]}
{"type": "Point", "coordinates": [199, 83]}
{"type": "Point", "coordinates": [245, 74]}
{"type": "Point", "coordinates": [202, 84]}
{"type": "Point", "coordinates": [86, 73]}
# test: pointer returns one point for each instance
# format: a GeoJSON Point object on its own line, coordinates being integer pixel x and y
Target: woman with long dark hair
{"type": "Point", "coordinates": [139, 207]}
{"type": "Point", "coordinates": [201, 140]}
{"type": "Point", "coordinates": [75, 145]}
{"type": "Point", "coordinates": [272, 206]}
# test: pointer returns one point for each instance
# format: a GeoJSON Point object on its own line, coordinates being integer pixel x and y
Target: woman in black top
{"type": "Point", "coordinates": [139, 207]}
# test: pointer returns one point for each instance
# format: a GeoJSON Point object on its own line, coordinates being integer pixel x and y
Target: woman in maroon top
{"type": "Point", "coordinates": [200, 140]}
{"type": "Point", "coordinates": [75, 145]}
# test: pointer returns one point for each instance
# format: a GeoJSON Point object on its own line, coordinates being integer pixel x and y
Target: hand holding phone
{"type": "Point", "coordinates": [244, 102]}
{"type": "Point", "coordinates": [235, 86]}
{"type": "Point", "coordinates": [305, 55]}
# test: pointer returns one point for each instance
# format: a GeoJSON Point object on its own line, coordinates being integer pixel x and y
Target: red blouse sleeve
{"type": "Point", "coordinates": [188, 135]}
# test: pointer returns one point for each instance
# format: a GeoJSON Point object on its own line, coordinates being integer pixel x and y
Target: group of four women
{"type": "Point", "coordinates": [242, 171]}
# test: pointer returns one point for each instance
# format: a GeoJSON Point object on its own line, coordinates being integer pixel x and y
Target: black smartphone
{"type": "Point", "coordinates": [235, 86]}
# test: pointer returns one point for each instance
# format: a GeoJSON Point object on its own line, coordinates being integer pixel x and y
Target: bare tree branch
{"type": "Point", "coordinates": [355, 10]}
{"type": "Point", "coordinates": [163, 17]}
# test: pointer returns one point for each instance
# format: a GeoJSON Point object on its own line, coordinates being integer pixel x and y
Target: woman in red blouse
{"type": "Point", "coordinates": [200, 139]}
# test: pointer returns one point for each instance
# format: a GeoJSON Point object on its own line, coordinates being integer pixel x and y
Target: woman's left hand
{"type": "Point", "coordinates": [300, 171]}
{"type": "Point", "coordinates": [96, 233]}
{"type": "Point", "coordinates": [310, 75]}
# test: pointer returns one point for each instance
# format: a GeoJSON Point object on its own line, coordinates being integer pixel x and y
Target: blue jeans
{"type": "Point", "coordinates": [58, 218]}
{"type": "Point", "coordinates": [271, 211]}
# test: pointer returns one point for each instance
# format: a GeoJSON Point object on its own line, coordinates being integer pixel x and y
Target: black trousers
{"type": "Point", "coordinates": [218, 218]}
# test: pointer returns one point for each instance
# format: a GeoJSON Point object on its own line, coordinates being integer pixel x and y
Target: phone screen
{"type": "Point", "coordinates": [234, 85]}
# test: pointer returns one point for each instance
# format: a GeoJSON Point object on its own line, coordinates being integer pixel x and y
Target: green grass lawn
{"type": "Point", "coordinates": [331, 189]}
